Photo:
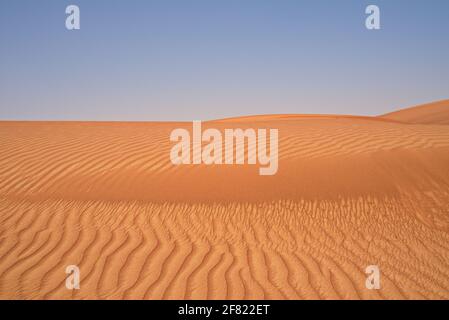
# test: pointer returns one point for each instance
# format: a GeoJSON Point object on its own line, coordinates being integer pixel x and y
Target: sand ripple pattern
{"type": "Point", "coordinates": [350, 192]}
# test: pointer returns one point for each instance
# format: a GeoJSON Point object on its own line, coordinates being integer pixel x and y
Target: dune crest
{"type": "Point", "coordinates": [431, 113]}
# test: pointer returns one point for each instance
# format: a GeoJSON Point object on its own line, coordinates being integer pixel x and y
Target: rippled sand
{"type": "Point", "coordinates": [350, 192]}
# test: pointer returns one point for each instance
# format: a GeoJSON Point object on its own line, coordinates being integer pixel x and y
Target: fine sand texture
{"type": "Point", "coordinates": [432, 113]}
{"type": "Point", "coordinates": [349, 192]}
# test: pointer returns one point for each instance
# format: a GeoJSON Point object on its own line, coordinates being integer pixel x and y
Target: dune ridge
{"type": "Point", "coordinates": [431, 113]}
{"type": "Point", "coordinates": [350, 192]}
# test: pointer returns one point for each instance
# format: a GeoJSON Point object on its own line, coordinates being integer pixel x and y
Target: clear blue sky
{"type": "Point", "coordinates": [206, 59]}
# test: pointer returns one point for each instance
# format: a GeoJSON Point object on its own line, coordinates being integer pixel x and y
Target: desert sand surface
{"type": "Point", "coordinates": [431, 113]}
{"type": "Point", "coordinates": [349, 192]}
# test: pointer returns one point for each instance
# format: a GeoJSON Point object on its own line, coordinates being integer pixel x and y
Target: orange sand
{"type": "Point", "coordinates": [432, 113]}
{"type": "Point", "coordinates": [350, 192]}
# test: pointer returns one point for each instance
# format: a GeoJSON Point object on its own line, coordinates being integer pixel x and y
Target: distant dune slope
{"type": "Point", "coordinates": [350, 192]}
{"type": "Point", "coordinates": [432, 113]}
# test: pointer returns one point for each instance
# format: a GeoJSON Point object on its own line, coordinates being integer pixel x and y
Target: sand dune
{"type": "Point", "coordinates": [350, 192]}
{"type": "Point", "coordinates": [432, 113]}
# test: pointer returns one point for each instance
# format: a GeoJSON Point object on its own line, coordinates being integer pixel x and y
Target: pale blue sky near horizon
{"type": "Point", "coordinates": [143, 60]}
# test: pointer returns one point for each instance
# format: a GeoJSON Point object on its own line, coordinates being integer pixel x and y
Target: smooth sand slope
{"type": "Point", "coordinates": [432, 113]}
{"type": "Point", "coordinates": [350, 192]}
